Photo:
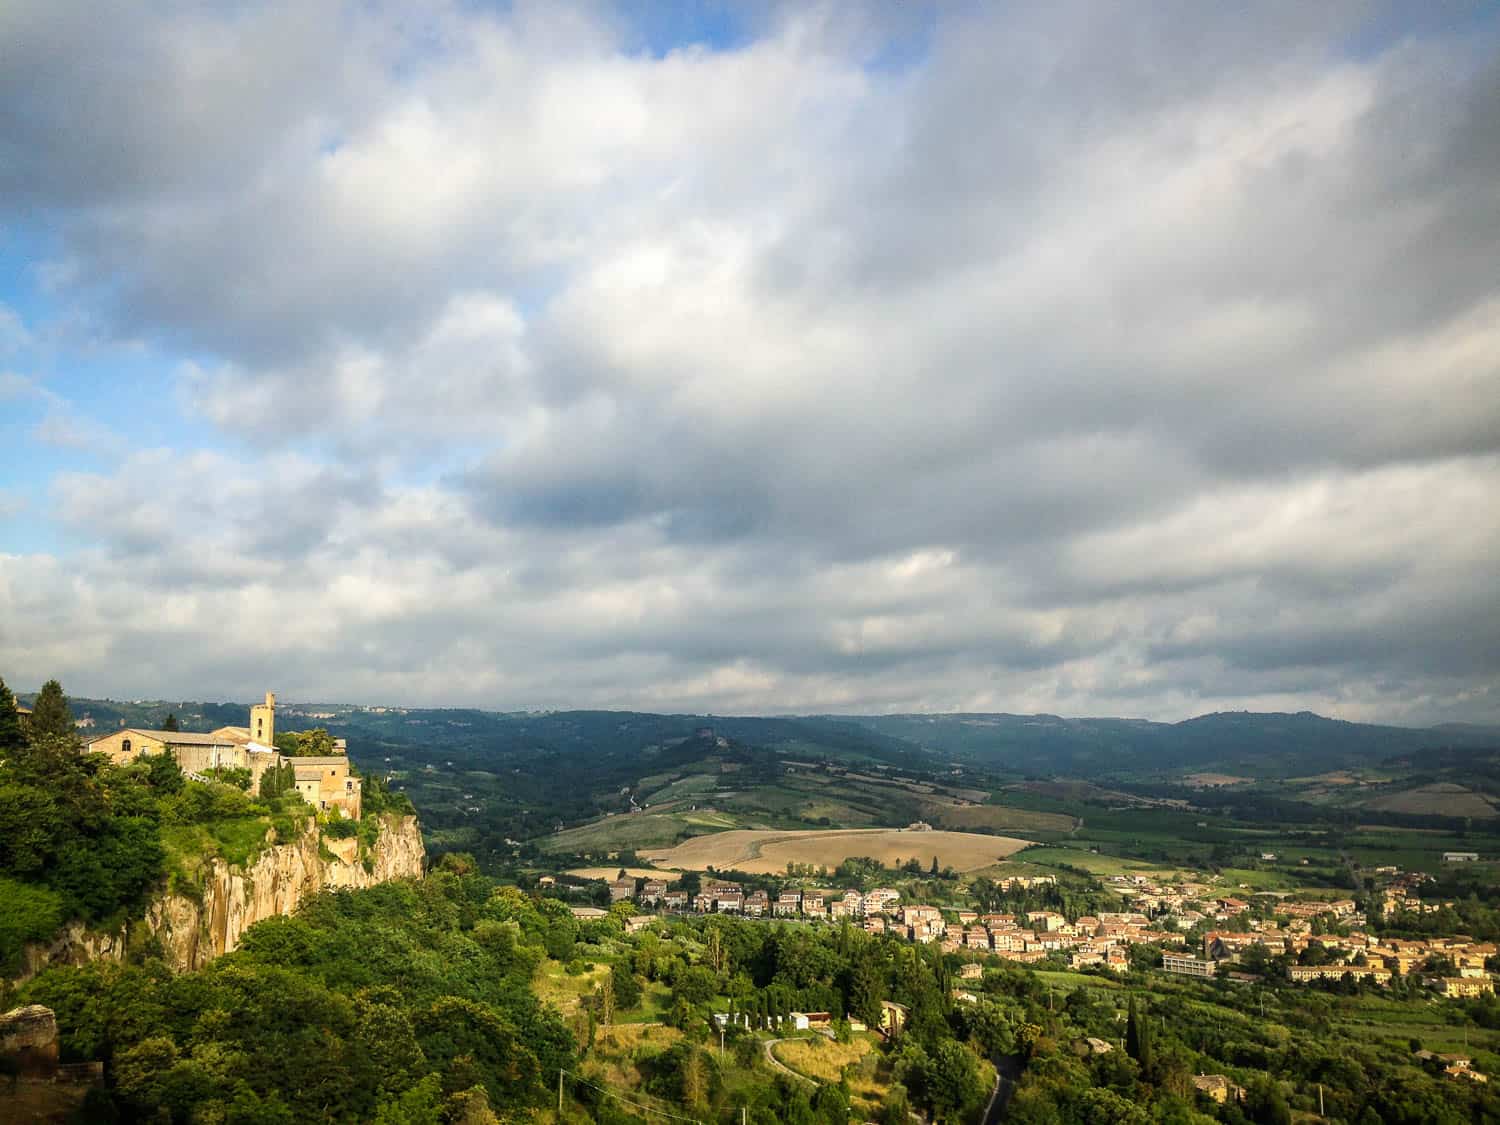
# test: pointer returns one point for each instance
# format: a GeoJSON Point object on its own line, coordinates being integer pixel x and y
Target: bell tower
{"type": "Point", "coordinates": [263, 721]}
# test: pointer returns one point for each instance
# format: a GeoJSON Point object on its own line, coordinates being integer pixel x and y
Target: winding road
{"type": "Point", "coordinates": [777, 1064]}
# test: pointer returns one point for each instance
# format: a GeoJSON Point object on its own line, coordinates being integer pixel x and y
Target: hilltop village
{"type": "Point", "coordinates": [324, 780]}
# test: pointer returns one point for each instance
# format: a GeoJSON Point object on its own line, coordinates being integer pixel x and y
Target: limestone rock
{"type": "Point", "coordinates": [193, 932]}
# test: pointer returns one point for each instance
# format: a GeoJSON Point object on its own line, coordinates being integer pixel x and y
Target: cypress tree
{"type": "Point", "coordinates": [12, 737]}
{"type": "Point", "coordinates": [170, 722]}
{"type": "Point", "coordinates": [51, 717]}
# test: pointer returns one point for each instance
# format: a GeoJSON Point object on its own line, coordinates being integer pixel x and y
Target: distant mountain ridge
{"type": "Point", "coordinates": [1253, 743]}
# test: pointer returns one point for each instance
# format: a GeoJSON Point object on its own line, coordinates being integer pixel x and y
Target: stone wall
{"type": "Point", "coordinates": [193, 932]}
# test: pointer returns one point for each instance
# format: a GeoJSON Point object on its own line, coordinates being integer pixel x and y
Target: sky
{"type": "Point", "coordinates": [1094, 359]}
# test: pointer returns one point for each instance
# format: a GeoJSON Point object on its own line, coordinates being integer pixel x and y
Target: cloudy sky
{"type": "Point", "coordinates": [1078, 357]}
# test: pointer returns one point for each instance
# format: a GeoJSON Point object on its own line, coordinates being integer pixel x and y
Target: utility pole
{"type": "Point", "coordinates": [1320, 1099]}
{"type": "Point", "coordinates": [559, 1094]}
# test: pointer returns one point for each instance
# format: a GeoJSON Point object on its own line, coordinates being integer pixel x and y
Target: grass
{"type": "Point", "coordinates": [554, 986]}
{"type": "Point", "coordinates": [1000, 818]}
{"type": "Point", "coordinates": [656, 1001]}
{"type": "Point", "coordinates": [633, 830]}
{"type": "Point", "coordinates": [236, 841]}
{"type": "Point", "coordinates": [1063, 979]}
{"type": "Point", "coordinates": [820, 1058]}
{"type": "Point", "coordinates": [1257, 879]}
{"type": "Point", "coordinates": [824, 1060]}
{"type": "Point", "coordinates": [1048, 855]}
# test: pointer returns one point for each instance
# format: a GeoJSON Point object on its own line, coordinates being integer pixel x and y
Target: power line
{"type": "Point", "coordinates": [628, 1101]}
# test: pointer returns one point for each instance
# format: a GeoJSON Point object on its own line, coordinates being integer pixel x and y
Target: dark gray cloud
{"type": "Point", "coordinates": [1089, 360]}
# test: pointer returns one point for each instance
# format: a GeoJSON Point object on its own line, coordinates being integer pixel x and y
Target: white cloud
{"type": "Point", "coordinates": [1077, 365]}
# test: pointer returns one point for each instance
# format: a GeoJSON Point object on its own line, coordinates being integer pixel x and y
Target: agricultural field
{"type": "Point", "coordinates": [1094, 864]}
{"type": "Point", "coordinates": [768, 852]}
{"type": "Point", "coordinates": [633, 830]}
{"type": "Point", "coordinates": [1444, 798]}
{"type": "Point", "coordinates": [1213, 780]}
{"type": "Point", "coordinates": [998, 818]}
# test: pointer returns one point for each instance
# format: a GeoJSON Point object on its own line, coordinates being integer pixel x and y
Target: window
{"type": "Point", "coordinates": [125, 746]}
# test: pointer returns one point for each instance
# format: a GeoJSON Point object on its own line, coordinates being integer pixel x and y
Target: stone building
{"type": "Point", "coordinates": [194, 752]}
{"type": "Point", "coordinates": [325, 783]}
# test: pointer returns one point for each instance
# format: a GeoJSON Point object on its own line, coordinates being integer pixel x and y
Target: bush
{"type": "Point", "coordinates": [229, 775]}
{"type": "Point", "coordinates": [27, 913]}
{"type": "Point", "coordinates": [341, 828]}
{"type": "Point", "coordinates": [201, 804]}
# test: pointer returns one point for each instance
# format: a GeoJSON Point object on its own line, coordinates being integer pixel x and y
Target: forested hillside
{"type": "Point", "coordinates": [85, 841]}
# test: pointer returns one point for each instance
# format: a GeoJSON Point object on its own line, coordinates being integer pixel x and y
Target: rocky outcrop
{"type": "Point", "coordinates": [194, 930]}
{"type": "Point", "coordinates": [28, 1037]}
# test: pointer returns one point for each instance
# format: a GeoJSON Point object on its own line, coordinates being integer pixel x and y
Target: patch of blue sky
{"type": "Point", "coordinates": [909, 44]}
{"type": "Point", "coordinates": [670, 25]}
{"type": "Point", "coordinates": [22, 248]}
{"type": "Point", "coordinates": [1474, 21]}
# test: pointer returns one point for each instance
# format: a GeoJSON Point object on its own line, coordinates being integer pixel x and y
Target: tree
{"type": "Point", "coordinates": [626, 988]}
{"type": "Point", "coordinates": [278, 780]}
{"type": "Point", "coordinates": [164, 774]}
{"type": "Point", "coordinates": [933, 871]}
{"type": "Point", "coordinates": [866, 991]}
{"type": "Point", "coordinates": [951, 1080]}
{"type": "Point", "coordinates": [51, 717]}
{"type": "Point", "coordinates": [170, 722]}
{"type": "Point", "coordinates": [315, 743]}
{"type": "Point", "coordinates": [12, 737]}
{"type": "Point", "coordinates": [605, 1000]}
{"type": "Point", "coordinates": [897, 1107]}
{"type": "Point", "coordinates": [1138, 1037]}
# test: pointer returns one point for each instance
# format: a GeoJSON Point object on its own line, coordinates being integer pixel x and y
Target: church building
{"type": "Point", "coordinates": [326, 783]}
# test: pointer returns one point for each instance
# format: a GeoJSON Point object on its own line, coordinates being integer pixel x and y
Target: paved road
{"type": "Point", "coordinates": [1007, 1074]}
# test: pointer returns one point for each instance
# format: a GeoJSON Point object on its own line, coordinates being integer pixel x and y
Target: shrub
{"type": "Point", "coordinates": [27, 913]}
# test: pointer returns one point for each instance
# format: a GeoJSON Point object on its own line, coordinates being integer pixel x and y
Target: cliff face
{"type": "Point", "coordinates": [194, 932]}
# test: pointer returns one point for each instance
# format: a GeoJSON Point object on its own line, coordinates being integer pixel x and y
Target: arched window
{"type": "Point", "coordinates": [125, 746]}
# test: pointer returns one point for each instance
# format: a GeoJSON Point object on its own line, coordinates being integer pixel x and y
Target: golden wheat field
{"type": "Point", "coordinates": [765, 852]}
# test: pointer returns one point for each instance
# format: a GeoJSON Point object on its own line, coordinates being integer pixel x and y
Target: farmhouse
{"type": "Point", "coordinates": [1460, 857]}
{"type": "Point", "coordinates": [1218, 1088]}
